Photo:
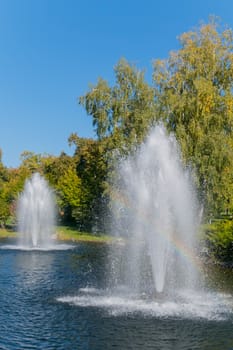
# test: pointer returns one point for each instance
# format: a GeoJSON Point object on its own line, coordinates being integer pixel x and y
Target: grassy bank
{"type": "Point", "coordinates": [65, 233]}
{"type": "Point", "coordinates": [4, 233]}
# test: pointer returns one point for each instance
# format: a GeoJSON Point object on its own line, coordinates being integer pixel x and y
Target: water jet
{"type": "Point", "coordinates": [154, 271]}
{"type": "Point", "coordinates": [155, 209]}
{"type": "Point", "coordinates": [36, 214]}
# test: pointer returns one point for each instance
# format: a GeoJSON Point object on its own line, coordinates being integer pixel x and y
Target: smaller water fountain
{"type": "Point", "coordinates": [36, 214]}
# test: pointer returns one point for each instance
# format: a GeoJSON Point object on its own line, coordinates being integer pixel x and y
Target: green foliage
{"type": "Point", "coordinates": [61, 175]}
{"type": "Point", "coordinates": [35, 162]}
{"type": "Point", "coordinates": [122, 114]}
{"type": "Point", "coordinates": [220, 239]}
{"type": "Point", "coordinates": [56, 167]}
{"type": "Point", "coordinates": [194, 98]}
{"type": "Point", "coordinates": [9, 192]}
{"type": "Point", "coordinates": [69, 185]}
{"type": "Point", "coordinates": [69, 192]}
{"type": "Point", "coordinates": [4, 211]}
{"type": "Point", "coordinates": [4, 195]}
{"type": "Point", "coordinates": [91, 167]}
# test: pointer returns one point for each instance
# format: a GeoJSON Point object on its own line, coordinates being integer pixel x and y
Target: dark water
{"type": "Point", "coordinates": [57, 300]}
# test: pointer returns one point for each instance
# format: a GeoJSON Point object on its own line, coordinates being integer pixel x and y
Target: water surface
{"type": "Point", "coordinates": [58, 300]}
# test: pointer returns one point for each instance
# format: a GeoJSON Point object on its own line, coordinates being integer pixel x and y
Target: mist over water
{"type": "Point", "coordinates": [155, 210]}
{"type": "Point", "coordinates": [36, 214]}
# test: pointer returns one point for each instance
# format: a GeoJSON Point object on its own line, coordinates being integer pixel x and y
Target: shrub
{"type": "Point", "coordinates": [220, 240]}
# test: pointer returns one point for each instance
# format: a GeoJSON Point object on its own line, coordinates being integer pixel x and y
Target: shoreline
{"type": "Point", "coordinates": [66, 234]}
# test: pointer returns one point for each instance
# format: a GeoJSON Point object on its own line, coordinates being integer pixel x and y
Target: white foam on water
{"type": "Point", "coordinates": [209, 306]}
{"type": "Point", "coordinates": [45, 249]}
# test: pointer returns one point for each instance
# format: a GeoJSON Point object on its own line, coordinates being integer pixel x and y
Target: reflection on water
{"type": "Point", "coordinates": [58, 300]}
{"type": "Point", "coordinates": [35, 267]}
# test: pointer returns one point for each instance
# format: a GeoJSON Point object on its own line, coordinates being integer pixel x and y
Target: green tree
{"type": "Point", "coordinates": [193, 90]}
{"type": "Point", "coordinates": [122, 114]}
{"type": "Point", "coordinates": [69, 192]}
{"type": "Point", "coordinates": [91, 167]}
{"type": "Point", "coordinates": [55, 167]}
{"type": "Point", "coordinates": [219, 237]}
{"type": "Point", "coordinates": [9, 191]}
{"type": "Point", "coordinates": [4, 201]}
{"type": "Point", "coordinates": [35, 162]}
{"type": "Point", "coordinates": [31, 161]}
{"type": "Point", "coordinates": [55, 171]}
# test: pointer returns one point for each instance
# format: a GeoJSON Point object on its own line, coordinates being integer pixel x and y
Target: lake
{"type": "Point", "coordinates": [58, 300]}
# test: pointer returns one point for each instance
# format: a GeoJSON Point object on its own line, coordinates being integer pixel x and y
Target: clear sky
{"type": "Point", "coordinates": [51, 50]}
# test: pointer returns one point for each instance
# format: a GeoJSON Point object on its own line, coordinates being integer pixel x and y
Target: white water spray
{"type": "Point", "coordinates": [154, 270]}
{"type": "Point", "coordinates": [156, 211]}
{"type": "Point", "coordinates": [36, 213]}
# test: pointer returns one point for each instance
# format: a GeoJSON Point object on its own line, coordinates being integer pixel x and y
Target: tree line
{"type": "Point", "coordinates": [191, 94]}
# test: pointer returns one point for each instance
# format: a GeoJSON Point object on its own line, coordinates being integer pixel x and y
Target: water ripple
{"type": "Point", "coordinates": [57, 300]}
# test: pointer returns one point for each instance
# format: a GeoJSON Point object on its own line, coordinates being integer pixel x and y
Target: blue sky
{"type": "Point", "coordinates": [52, 50]}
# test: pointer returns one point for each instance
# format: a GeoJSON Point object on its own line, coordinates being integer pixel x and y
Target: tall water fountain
{"type": "Point", "coordinates": [36, 213]}
{"type": "Point", "coordinates": [153, 267]}
{"type": "Point", "coordinates": [155, 210]}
